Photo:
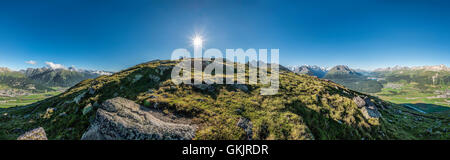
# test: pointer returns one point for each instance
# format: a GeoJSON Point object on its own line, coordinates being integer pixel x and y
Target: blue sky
{"type": "Point", "coordinates": [113, 35]}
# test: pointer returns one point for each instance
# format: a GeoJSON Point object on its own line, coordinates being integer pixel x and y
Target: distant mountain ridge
{"type": "Point", "coordinates": [441, 67]}
{"type": "Point", "coordinates": [15, 81]}
{"type": "Point", "coordinates": [61, 77]}
{"type": "Point", "coordinates": [41, 79]}
{"type": "Point", "coordinates": [309, 70]}
{"type": "Point", "coordinates": [423, 75]}
{"type": "Point", "coordinates": [352, 79]}
{"type": "Point", "coordinates": [343, 70]}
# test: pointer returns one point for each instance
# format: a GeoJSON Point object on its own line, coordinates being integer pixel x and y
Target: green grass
{"type": "Point", "coordinates": [6, 102]}
{"type": "Point", "coordinates": [422, 98]}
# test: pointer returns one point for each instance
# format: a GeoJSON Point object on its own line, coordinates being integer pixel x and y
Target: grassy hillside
{"type": "Point", "coordinates": [305, 108]}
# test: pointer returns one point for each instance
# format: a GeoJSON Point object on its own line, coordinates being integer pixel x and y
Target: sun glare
{"type": "Point", "coordinates": [197, 41]}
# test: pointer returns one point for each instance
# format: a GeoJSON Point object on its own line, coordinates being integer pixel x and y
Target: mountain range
{"type": "Point", "coordinates": [40, 79]}
{"type": "Point", "coordinates": [371, 81]}
{"type": "Point", "coordinates": [352, 79]}
{"type": "Point", "coordinates": [425, 68]}
{"type": "Point", "coordinates": [309, 70]}
{"type": "Point", "coordinates": [61, 77]}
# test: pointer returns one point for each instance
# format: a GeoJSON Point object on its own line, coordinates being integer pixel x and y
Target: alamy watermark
{"type": "Point", "coordinates": [208, 67]}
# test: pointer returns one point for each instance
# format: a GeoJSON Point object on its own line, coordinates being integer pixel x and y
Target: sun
{"type": "Point", "coordinates": [197, 41]}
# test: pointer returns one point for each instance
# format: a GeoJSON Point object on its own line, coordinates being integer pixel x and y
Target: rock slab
{"type": "Point", "coordinates": [122, 119]}
{"type": "Point", "coordinates": [35, 134]}
{"type": "Point", "coordinates": [367, 108]}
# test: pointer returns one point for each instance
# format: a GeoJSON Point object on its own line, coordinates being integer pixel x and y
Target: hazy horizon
{"type": "Point", "coordinates": [92, 35]}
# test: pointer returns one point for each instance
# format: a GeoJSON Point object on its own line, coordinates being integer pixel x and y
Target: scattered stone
{"type": "Point", "coordinates": [205, 87]}
{"type": "Point", "coordinates": [200, 100]}
{"type": "Point", "coordinates": [35, 134]}
{"type": "Point", "coordinates": [87, 109]}
{"type": "Point", "coordinates": [242, 87]}
{"type": "Point", "coordinates": [154, 78]}
{"type": "Point", "coordinates": [247, 125]}
{"type": "Point", "coordinates": [238, 111]}
{"type": "Point", "coordinates": [137, 78]}
{"type": "Point", "coordinates": [62, 114]}
{"type": "Point", "coordinates": [430, 130]}
{"type": "Point", "coordinates": [150, 91]}
{"type": "Point", "coordinates": [26, 116]}
{"type": "Point", "coordinates": [91, 91]}
{"type": "Point", "coordinates": [162, 69]}
{"type": "Point", "coordinates": [48, 113]}
{"type": "Point", "coordinates": [79, 97]}
{"type": "Point", "coordinates": [122, 119]}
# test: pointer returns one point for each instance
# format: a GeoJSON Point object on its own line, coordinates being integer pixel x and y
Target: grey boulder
{"type": "Point", "coordinates": [122, 119]}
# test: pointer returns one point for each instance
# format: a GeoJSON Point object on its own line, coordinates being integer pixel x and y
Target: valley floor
{"type": "Point", "coordinates": [432, 99]}
{"type": "Point", "coordinates": [6, 102]}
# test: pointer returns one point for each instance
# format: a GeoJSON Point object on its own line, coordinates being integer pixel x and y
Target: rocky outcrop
{"type": "Point", "coordinates": [205, 87]}
{"type": "Point", "coordinates": [78, 98]}
{"type": "Point", "coordinates": [87, 109]}
{"type": "Point", "coordinates": [247, 126]}
{"type": "Point", "coordinates": [359, 101]}
{"type": "Point", "coordinates": [48, 113]}
{"type": "Point", "coordinates": [122, 119]}
{"type": "Point", "coordinates": [91, 91]}
{"type": "Point", "coordinates": [241, 87]}
{"type": "Point", "coordinates": [162, 69]}
{"type": "Point", "coordinates": [35, 134]}
{"type": "Point", "coordinates": [367, 107]}
{"type": "Point", "coordinates": [154, 78]}
{"type": "Point", "coordinates": [137, 78]}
